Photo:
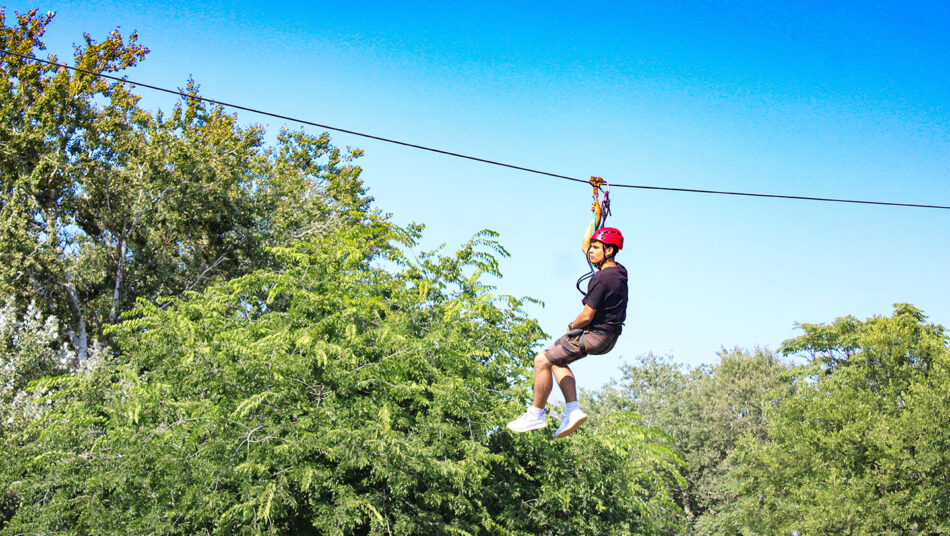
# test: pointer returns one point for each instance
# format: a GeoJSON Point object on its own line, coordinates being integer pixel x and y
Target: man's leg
{"type": "Point", "coordinates": [565, 380]}
{"type": "Point", "coordinates": [542, 380]}
{"type": "Point", "coordinates": [573, 415]}
{"type": "Point", "coordinates": [533, 418]}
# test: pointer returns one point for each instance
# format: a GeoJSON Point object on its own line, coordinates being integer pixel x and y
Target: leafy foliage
{"type": "Point", "coordinates": [330, 396]}
{"type": "Point", "coordinates": [862, 447]}
{"type": "Point", "coordinates": [705, 411]}
{"type": "Point", "coordinates": [614, 477]}
{"type": "Point", "coordinates": [27, 354]}
{"type": "Point", "coordinates": [103, 202]}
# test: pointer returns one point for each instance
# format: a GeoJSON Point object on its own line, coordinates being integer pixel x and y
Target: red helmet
{"type": "Point", "coordinates": [608, 236]}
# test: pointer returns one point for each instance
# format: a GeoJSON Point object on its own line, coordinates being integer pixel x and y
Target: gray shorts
{"type": "Point", "coordinates": [578, 343]}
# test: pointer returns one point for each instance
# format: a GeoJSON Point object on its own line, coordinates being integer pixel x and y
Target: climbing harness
{"type": "Point", "coordinates": [601, 209]}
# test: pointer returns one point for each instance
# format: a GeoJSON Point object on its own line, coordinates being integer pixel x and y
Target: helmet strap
{"type": "Point", "coordinates": [607, 259]}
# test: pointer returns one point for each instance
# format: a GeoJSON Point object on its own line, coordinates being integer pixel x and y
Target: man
{"type": "Point", "coordinates": [594, 331]}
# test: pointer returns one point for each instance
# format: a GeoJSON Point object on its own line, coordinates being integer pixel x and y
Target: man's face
{"type": "Point", "coordinates": [595, 253]}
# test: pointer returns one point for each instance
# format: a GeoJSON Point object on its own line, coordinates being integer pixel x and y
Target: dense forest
{"type": "Point", "coordinates": [202, 332]}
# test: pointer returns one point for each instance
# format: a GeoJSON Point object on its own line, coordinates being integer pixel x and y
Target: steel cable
{"type": "Point", "coordinates": [464, 156]}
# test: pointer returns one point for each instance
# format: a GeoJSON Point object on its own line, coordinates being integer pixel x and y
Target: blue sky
{"type": "Point", "coordinates": [806, 98]}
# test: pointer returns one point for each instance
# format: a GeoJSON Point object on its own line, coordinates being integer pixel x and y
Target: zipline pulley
{"type": "Point", "coordinates": [601, 209]}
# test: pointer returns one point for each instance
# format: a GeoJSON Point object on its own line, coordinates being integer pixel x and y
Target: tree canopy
{"type": "Point", "coordinates": [103, 202]}
{"type": "Point", "coordinates": [330, 396]}
{"type": "Point", "coordinates": [706, 411]}
{"type": "Point", "coordinates": [862, 446]}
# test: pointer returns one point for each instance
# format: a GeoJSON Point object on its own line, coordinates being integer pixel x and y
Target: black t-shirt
{"type": "Point", "coordinates": [607, 295]}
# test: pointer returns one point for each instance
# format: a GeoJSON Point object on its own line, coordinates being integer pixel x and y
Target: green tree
{"type": "Point", "coordinates": [27, 353]}
{"type": "Point", "coordinates": [103, 202]}
{"type": "Point", "coordinates": [330, 396]}
{"type": "Point", "coordinates": [862, 448]}
{"type": "Point", "coordinates": [705, 411]}
{"type": "Point", "coordinates": [614, 477]}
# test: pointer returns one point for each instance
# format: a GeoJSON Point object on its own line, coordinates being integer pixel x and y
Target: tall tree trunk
{"type": "Point", "coordinates": [119, 275]}
{"type": "Point", "coordinates": [77, 331]}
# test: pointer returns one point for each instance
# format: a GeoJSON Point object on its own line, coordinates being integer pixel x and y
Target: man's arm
{"type": "Point", "coordinates": [584, 319]}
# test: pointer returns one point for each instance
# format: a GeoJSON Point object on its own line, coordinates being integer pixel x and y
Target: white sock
{"type": "Point", "coordinates": [571, 406]}
{"type": "Point", "coordinates": [535, 412]}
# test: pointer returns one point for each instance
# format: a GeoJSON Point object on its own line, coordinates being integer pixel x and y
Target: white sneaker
{"type": "Point", "coordinates": [570, 422]}
{"type": "Point", "coordinates": [527, 422]}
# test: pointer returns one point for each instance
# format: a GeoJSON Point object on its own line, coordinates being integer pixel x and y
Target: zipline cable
{"type": "Point", "coordinates": [287, 117]}
{"type": "Point", "coordinates": [460, 155]}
